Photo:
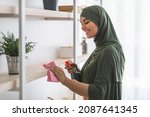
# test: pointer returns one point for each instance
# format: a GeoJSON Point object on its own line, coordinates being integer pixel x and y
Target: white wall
{"type": "Point", "coordinates": [8, 2]}
{"type": "Point", "coordinates": [49, 35]}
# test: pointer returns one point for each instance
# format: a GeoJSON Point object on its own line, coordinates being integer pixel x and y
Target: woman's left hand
{"type": "Point", "coordinates": [59, 72]}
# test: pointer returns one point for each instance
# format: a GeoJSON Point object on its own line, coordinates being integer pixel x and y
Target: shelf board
{"type": "Point", "coordinates": [12, 11]}
{"type": "Point", "coordinates": [33, 72]}
{"type": "Point", "coordinates": [7, 82]}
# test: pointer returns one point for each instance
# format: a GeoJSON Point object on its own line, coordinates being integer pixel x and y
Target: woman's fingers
{"type": "Point", "coordinates": [59, 73]}
{"type": "Point", "coordinates": [55, 70]}
{"type": "Point", "coordinates": [70, 70]}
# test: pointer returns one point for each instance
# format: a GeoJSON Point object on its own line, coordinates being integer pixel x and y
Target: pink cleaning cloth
{"type": "Point", "coordinates": [50, 75]}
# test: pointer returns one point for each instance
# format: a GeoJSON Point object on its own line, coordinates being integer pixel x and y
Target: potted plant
{"type": "Point", "coordinates": [9, 45]}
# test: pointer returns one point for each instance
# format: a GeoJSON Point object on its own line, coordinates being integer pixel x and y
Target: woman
{"type": "Point", "coordinates": [101, 75]}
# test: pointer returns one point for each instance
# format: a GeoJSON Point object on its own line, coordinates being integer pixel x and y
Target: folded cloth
{"type": "Point", "coordinates": [50, 75]}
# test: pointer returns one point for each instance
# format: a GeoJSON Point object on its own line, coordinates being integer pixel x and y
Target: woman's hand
{"type": "Point", "coordinates": [59, 72]}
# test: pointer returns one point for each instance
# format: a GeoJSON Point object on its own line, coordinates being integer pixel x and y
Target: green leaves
{"type": "Point", "coordinates": [30, 46]}
{"type": "Point", "coordinates": [10, 45]}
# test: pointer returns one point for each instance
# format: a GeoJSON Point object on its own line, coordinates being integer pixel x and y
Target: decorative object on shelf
{"type": "Point", "coordinates": [65, 52]}
{"type": "Point", "coordinates": [69, 8]}
{"type": "Point", "coordinates": [9, 45]}
{"type": "Point", "coordinates": [84, 45]}
{"type": "Point", "coordinates": [50, 4]}
{"type": "Point", "coordinates": [66, 8]}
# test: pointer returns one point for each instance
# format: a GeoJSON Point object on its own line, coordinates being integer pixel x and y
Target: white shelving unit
{"type": "Point", "coordinates": [12, 11]}
{"type": "Point", "coordinates": [32, 72]}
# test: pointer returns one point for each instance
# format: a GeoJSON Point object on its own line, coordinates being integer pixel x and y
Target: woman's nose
{"type": "Point", "coordinates": [83, 27]}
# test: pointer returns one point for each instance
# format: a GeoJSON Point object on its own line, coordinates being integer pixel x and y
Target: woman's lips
{"type": "Point", "coordinates": [87, 31]}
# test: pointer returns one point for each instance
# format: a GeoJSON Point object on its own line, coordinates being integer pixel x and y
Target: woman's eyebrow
{"type": "Point", "coordinates": [83, 20]}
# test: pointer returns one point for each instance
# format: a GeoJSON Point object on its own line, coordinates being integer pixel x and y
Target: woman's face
{"type": "Point", "coordinates": [89, 27]}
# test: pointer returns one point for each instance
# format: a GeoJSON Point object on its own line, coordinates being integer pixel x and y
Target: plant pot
{"type": "Point", "coordinates": [13, 65]}
{"type": "Point", "coordinates": [50, 4]}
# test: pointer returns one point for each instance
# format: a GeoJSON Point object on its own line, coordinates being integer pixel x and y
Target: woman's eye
{"type": "Point", "coordinates": [86, 22]}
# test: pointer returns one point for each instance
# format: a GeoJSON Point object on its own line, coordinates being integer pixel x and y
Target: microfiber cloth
{"type": "Point", "coordinates": [50, 75]}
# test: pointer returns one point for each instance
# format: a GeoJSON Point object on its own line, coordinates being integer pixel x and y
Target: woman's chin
{"type": "Point", "coordinates": [89, 37]}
